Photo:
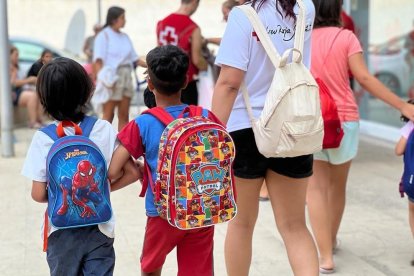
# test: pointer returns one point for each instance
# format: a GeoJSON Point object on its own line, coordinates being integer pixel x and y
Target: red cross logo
{"type": "Point", "coordinates": [168, 36]}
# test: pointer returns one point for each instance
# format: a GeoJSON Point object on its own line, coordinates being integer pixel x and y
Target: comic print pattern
{"type": "Point", "coordinates": [78, 191]}
{"type": "Point", "coordinates": [194, 185]}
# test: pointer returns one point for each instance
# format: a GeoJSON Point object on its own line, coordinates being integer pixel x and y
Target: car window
{"type": "Point", "coordinates": [28, 52]}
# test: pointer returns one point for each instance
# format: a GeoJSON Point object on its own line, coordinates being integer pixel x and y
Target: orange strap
{"type": "Point", "coordinates": [60, 128]}
{"type": "Point", "coordinates": [45, 232]}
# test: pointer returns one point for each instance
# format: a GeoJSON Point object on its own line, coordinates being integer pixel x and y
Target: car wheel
{"type": "Point", "coordinates": [390, 81]}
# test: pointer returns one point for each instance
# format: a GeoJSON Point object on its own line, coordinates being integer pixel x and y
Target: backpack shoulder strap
{"type": "Point", "coordinates": [50, 131]}
{"type": "Point", "coordinates": [87, 125]}
{"type": "Point", "coordinates": [270, 49]}
{"type": "Point", "coordinates": [192, 111]}
{"type": "Point", "coordinates": [261, 33]}
{"type": "Point", "coordinates": [300, 31]}
{"type": "Point", "coordinates": [205, 113]}
{"type": "Point", "coordinates": [159, 113]}
{"type": "Point", "coordinates": [147, 180]}
{"type": "Point", "coordinates": [330, 48]}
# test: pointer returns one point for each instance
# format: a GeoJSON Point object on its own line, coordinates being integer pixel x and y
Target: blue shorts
{"type": "Point", "coordinates": [80, 251]}
{"type": "Point", "coordinates": [346, 151]}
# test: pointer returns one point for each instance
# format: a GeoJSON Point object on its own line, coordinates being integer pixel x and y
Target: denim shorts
{"type": "Point", "coordinates": [80, 251]}
{"type": "Point", "coordinates": [346, 151]}
{"type": "Point", "coordinates": [250, 163]}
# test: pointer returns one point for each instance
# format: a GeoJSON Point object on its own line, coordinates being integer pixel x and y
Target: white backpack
{"type": "Point", "coordinates": [291, 122]}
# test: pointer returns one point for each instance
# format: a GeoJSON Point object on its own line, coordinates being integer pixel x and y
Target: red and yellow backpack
{"type": "Point", "coordinates": [195, 185]}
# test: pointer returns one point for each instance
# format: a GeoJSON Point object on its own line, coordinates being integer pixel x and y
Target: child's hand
{"type": "Point", "coordinates": [131, 173]}
{"type": "Point", "coordinates": [408, 111]}
{"type": "Point", "coordinates": [141, 169]}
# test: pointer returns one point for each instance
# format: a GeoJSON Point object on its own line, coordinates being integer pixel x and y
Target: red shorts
{"type": "Point", "coordinates": [194, 248]}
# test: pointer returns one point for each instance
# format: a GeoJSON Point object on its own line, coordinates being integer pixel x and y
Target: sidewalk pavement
{"type": "Point", "coordinates": [375, 235]}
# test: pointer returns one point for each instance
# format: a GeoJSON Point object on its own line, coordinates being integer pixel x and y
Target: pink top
{"type": "Point", "coordinates": [406, 129]}
{"type": "Point", "coordinates": [330, 63]}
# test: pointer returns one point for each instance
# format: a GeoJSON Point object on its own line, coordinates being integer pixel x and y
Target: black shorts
{"type": "Point", "coordinates": [16, 92]}
{"type": "Point", "coordinates": [250, 163]}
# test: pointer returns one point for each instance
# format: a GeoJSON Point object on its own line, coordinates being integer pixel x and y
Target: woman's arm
{"type": "Point", "coordinates": [141, 62]}
{"type": "Point", "coordinates": [400, 147]}
{"type": "Point", "coordinates": [196, 55]}
{"type": "Point", "coordinates": [225, 92]}
{"type": "Point", "coordinates": [97, 66]}
{"type": "Point", "coordinates": [213, 40]}
{"type": "Point", "coordinates": [376, 88]}
{"type": "Point", "coordinates": [14, 81]}
{"type": "Point", "coordinates": [86, 47]}
{"type": "Point", "coordinates": [39, 192]}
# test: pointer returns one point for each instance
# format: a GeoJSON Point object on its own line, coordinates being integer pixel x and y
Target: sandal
{"type": "Point", "coordinates": [326, 270]}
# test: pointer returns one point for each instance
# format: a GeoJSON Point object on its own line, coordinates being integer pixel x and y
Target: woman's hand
{"type": "Point", "coordinates": [31, 80]}
{"type": "Point", "coordinates": [141, 61]}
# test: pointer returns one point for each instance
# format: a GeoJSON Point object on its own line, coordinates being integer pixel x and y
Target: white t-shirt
{"type": "Point", "coordinates": [34, 167]}
{"type": "Point", "coordinates": [240, 49]}
{"type": "Point", "coordinates": [113, 48]}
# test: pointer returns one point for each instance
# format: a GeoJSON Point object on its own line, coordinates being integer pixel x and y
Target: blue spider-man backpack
{"type": "Point", "coordinates": [77, 184]}
{"type": "Point", "coordinates": [408, 175]}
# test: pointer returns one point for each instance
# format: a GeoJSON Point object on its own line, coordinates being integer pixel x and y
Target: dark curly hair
{"type": "Point", "coordinates": [287, 6]}
{"type": "Point", "coordinates": [167, 68]}
{"type": "Point", "coordinates": [403, 118]}
{"type": "Point", "coordinates": [64, 88]}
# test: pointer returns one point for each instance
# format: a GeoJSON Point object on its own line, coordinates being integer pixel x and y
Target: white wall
{"type": "Point", "coordinates": [48, 20]}
{"type": "Point", "coordinates": [389, 19]}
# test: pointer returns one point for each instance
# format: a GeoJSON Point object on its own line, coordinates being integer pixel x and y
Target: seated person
{"type": "Point", "coordinates": [22, 97]}
{"type": "Point", "coordinates": [45, 57]}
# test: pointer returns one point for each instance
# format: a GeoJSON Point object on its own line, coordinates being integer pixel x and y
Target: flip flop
{"type": "Point", "coordinates": [326, 270]}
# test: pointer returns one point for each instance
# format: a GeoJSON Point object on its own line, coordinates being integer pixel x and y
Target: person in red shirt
{"type": "Point", "coordinates": [180, 30]}
{"type": "Point", "coordinates": [347, 21]}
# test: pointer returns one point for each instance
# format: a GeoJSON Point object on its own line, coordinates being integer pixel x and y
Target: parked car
{"type": "Point", "coordinates": [390, 63]}
{"type": "Point", "coordinates": [30, 50]}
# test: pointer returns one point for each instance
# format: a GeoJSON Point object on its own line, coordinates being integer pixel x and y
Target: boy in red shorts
{"type": "Point", "coordinates": [167, 67]}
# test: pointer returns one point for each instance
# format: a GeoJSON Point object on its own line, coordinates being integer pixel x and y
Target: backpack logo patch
{"type": "Point", "coordinates": [208, 179]}
{"type": "Point", "coordinates": [74, 153]}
